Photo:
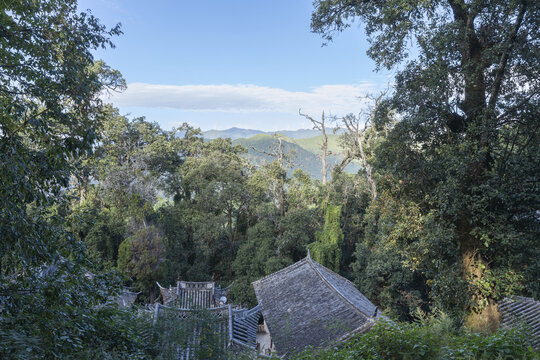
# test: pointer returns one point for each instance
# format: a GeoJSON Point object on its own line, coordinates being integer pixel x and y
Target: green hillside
{"type": "Point", "coordinates": [305, 152]}
{"type": "Point", "coordinates": [233, 133]}
{"type": "Point", "coordinates": [237, 133]}
{"type": "Point", "coordinates": [313, 144]}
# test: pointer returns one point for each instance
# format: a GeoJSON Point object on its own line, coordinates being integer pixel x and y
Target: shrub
{"type": "Point", "coordinates": [433, 339]}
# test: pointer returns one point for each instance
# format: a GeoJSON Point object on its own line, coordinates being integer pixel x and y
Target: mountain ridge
{"type": "Point", "coordinates": [305, 153]}
{"type": "Point", "coordinates": [303, 144]}
{"type": "Point", "coordinates": [237, 133]}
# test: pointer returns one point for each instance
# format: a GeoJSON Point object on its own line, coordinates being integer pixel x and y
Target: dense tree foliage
{"type": "Point", "coordinates": [49, 87]}
{"type": "Point", "coordinates": [443, 214]}
{"type": "Point", "coordinates": [432, 338]}
{"type": "Point", "coordinates": [50, 116]}
{"type": "Point", "coordinates": [326, 250]}
{"type": "Point", "coordinates": [459, 170]}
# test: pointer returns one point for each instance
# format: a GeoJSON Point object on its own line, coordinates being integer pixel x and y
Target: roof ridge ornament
{"type": "Point", "coordinates": [308, 254]}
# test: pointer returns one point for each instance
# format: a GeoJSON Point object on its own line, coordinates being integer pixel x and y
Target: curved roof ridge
{"type": "Point", "coordinates": [181, 309]}
{"type": "Point", "coordinates": [195, 282]}
{"type": "Point", "coordinates": [339, 276]}
{"type": "Point", "coordinates": [333, 288]}
{"type": "Point", "coordinates": [279, 272]}
{"type": "Point", "coordinates": [225, 288]}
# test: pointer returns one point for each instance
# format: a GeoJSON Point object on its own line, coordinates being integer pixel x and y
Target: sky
{"type": "Point", "coordinates": [217, 64]}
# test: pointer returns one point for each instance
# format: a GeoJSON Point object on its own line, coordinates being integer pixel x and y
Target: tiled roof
{"type": "Point", "coordinates": [518, 309]}
{"type": "Point", "coordinates": [308, 304]}
{"type": "Point", "coordinates": [232, 326]}
{"type": "Point", "coordinates": [188, 295]}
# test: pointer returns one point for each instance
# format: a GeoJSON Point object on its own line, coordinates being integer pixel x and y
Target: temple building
{"type": "Point", "coordinates": [235, 326]}
{"type": "Point", "coordinates": [190, 294]}
{"type": "Point", "coordinates": [306, 304]}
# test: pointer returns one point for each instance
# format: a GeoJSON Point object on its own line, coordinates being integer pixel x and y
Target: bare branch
{"type": "Point", "coordinates": [360, 128]}
{"type": "Point", "coordinates": [316, 124]}
{"type": "Point", "coordinates": [263, 152]}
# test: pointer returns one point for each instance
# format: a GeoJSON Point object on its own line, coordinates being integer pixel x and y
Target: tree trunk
{"type": "Point", "coordinates": [231, 242]}
{"type": "Point", "coordinates": [321, 126]}
{"type": "Point", "coordinates": [282, 179]}
{"type": "Point", "coordinates": [483, 313]}
{"type": "Point", "coordinates": [324, 149]}
{"type": "Point", "coordinates": [367, 166]}
{"type": "Point", "coordinates": [324, 168]}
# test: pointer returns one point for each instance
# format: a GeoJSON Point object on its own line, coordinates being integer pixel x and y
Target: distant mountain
{"type": "Point", "coordinates": [238, 133]}
{"type": "Point", "coordinates": [305, 133]}
{"type": "Point", "coordinates": [304, 144]}
{"type": "Point", "coordinates": [233, 133]}
{"type": "Point", "coordinates": [305, 152]}
{"type": "Point", "coordinates": [297, 134]}
{"type": "Point", "coordinates": [303, 159]}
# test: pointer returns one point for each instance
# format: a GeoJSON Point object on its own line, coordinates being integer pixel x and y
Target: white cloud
{"type": "Point", "coordinates": [336, 99]}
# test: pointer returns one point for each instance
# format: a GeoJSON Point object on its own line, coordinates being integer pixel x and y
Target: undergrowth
{"type": "Point", "coordinates": [434, 338]}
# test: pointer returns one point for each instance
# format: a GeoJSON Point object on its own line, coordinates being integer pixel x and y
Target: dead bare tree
{"type": "Point", "coordinates": [361, 131]}
{"type": "Point", "coordinates": [321, 126]}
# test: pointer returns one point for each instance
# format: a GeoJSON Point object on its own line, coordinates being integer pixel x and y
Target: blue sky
{"type": "Point", "coordinates": [222, 63]}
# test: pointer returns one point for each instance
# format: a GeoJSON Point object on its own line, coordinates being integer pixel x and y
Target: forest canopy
{"type": "Point", "coordinates": [442, 217]}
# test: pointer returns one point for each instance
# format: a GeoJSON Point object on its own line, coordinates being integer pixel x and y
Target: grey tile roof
{"type": "Point", "coordinates": [167, 295]}
{"type": "Point", "coordinates": [518, 309]}
{"type": "Point", "coordinates": [231, 326]}
{"type": "Point", "coordinates": [187, 323]}
{"type": "Point", "coordinates": [245, 323]}
{"type": "Point", "coordinates": [308, 304]}
{"type": "Point", "coordinates": [196, 294]}
{"type": "Point", "coordinates": [189, 294]}
{"type": "Point", "coordinates": [347, 289]}
{"type": "Point", "coordinates": [126, 298]}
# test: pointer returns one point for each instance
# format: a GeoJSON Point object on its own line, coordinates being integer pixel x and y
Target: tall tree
{"type": "Point", "coordinates": [466, 146]}
{"type": "Point", "coordinates": [135, 158]}
{"type": "Point", "coordinates": [278, 171]}
{"type": "Point", "coordinates": [214, 182]}
{"type": "Point", "coordinates": [142, 257]}
{"type": "Point", "coordinates": [50, 110]}
{"type": "Point", "coordinates": [361, 138]}
{"type": "Point", "coordinates": [133, 161]}
{"type": "Point", "coordinates": [50, 113]}
{"type": "Point", "coordinates": [321, 126]}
